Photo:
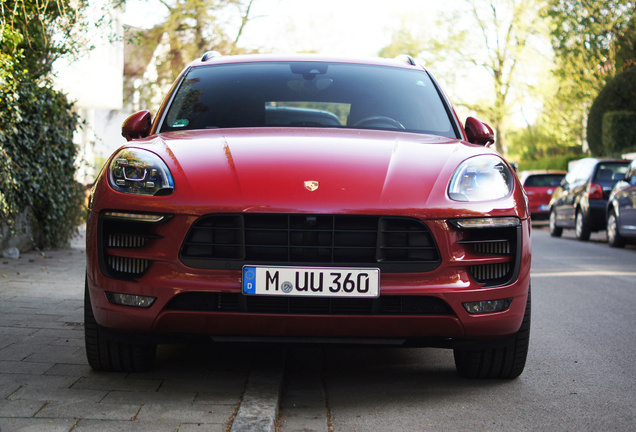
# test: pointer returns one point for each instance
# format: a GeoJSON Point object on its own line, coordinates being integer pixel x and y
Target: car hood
{"type": "Point", "coordinates": [314, 170]}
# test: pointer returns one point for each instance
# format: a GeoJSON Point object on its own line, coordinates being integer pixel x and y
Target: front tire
{"type": "Point", "coordinates": [110, 356]}
{"type": "Point", "coordinates": [555, 231]}
{"type": "Point", "coordinates": [581, 230]}
{"type": "Point", "coordinates": [493, 363]}
{"type": "Point", "coordinates": [614, 239]}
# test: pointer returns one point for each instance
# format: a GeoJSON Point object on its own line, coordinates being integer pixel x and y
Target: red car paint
{"type": "Point", "coordinates": [539, 186]}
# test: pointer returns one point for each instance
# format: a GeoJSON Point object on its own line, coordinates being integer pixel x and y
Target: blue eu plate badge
{"type": "Point", "coordinates": [249, 280]}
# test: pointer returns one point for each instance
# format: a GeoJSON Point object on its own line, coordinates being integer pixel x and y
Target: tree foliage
{"type": "Point", "coordinates": [44, 31]}
{"type": "Point", "coordinates": [619, 132]}
{"type": "Point", "coordinates": [192, 27]}
{"type": "Point", "coordinates": [593, 40]}
{"type": "Point", "coordinates": [618, 95]}
{"type": "Point", "coordinates": [37, 153]}
{"type": "Point", "coordinates": [494, 36]}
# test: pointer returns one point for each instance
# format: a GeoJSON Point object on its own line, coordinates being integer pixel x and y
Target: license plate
{"type": "Point", "coordinates": [544, 207]}
{"type": "Point", "coordinates": [314, 281]}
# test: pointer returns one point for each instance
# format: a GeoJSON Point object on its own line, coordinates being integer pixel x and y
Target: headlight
{"type": "Point", "coordinates": [140, 172]}
{"type": "Point", "coordinates": [481, 178]}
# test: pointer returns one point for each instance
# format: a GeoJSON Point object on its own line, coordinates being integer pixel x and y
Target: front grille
{"type": "Point", "coordinates": [229, 241]}
{"type": "Point", "coordinates": [125, 241]}
{"type": "Point", "coordinates": [493, 248]}
{"type": "Point", "coordinates": [132, 266]}
{"type": "Point", "coordinates": [501, 242]}
{"type": "Point", "coordinates": [118, 237]}
{"type": "Point", "coordinates": [490, 272]}
{"type": "Point", "coordinates": [384, 305]}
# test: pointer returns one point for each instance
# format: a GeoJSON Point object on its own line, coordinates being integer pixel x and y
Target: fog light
{"type": "Point", "coordinates": [487, 306]}
{"type": "Point", "coordinates": [130, 299]}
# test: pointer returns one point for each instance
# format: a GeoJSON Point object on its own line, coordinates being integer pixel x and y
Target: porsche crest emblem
{"type": "Point", "coordinates": [311, 185]}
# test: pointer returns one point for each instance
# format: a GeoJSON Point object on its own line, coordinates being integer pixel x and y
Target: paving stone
{"type": "Point", "coordinates": [197, 427]}
{"type": "Point", "coordinates": [70, 370]}
{"type": "Point", "coordinates": [64, 332]}
{"type": "Point", "coordinates": [36, 425]}
{"type": "Point", "coordinates": [8, 388]}
{"type": "Point", "coordinates": [143, 398]}
{"type": "Point", "coordinates": [59, 394]}
{"type": "Point", "coordinates": [17, 331]}
{"type": "Point", "coordinates": [20, 408]}
{"type": "Point", "coordinates": [89, 410]}
{"type": "Point", "coordinates": [128, 426]}
{"type": "Point", "coordinates": [113, 384]}
{"type": "Point", "coordinates": [58, 354]}
{"type": "Point", "coordinates": [230, 384]}
{"type": "Point", "coordinates": [218, 414]}
{"type": "Point", "coordinates": [75, 342]}
{"type": "Point", "coordinates": [17, 352]}
{"type": "Point", "coordinates": [18, 367]}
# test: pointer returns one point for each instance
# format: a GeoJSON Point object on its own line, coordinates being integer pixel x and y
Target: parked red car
{"type": "Point", "coordinates": [539, 186]}
{"type": "Point", "coordinates": [306, 198]}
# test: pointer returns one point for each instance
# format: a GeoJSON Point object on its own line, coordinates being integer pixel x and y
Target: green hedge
{"type": "Point", "coordinates": [618, 95]}
{"type": "Point", "coordinates": [619, 131]}
{"type": "Point", "coordinates": [37, 160]}
{"type": "Point", "coordinates": [549, 163]}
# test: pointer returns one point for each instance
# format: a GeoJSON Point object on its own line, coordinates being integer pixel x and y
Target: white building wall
{"type": "Point", "coordinates": [95, 82]}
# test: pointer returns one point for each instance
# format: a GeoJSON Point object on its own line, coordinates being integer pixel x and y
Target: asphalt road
{"type": "Point", "coordinates": [580, 373]}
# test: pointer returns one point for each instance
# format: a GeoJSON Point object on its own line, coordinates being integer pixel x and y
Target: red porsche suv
{"type": "Point", "coordinates": [308, 198]}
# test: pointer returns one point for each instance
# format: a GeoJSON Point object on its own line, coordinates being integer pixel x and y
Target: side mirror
{"type": "Point", "coordinates": [479, 132]}
{"type": "Point", "coordinates": [137, 126]}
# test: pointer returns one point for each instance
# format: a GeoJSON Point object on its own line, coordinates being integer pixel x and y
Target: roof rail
{"type": "Point", "coordinates": [406, 59]}
{"type": "Point", "coordinates": [208, 55]}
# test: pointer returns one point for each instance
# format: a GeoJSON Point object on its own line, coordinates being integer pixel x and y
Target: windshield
{"type": "Point", "coordinates": [308, 94]}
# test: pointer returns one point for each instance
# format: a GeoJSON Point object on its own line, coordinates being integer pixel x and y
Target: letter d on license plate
{"type": "Point", "coordinates": [314, 281]}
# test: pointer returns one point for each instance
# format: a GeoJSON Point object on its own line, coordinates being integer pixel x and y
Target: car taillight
{"type": "Point", "coordinates": [594, 191]}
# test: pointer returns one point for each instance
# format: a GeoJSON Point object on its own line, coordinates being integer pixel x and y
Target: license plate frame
{"type": "Point", "coordinates": [297, 281]}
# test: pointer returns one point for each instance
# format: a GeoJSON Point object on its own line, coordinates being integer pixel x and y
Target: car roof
{"type": "Point", "coordinates": [525, 174]}
{"type": "Point", "coordinates": [400, 61]}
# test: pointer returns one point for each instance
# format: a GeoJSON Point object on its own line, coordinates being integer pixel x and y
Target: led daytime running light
{"type": "Point", "coordinates": [134, 216]}
{"type": "Point", "coordinates": [503, 222]}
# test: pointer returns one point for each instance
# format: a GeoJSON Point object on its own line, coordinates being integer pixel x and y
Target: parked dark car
{"type": "Point", "coordinates": [621, 210]}
{"type": "Point", "coordinates": [539, 187]}
{"type": "Point", "coordinates": [580, 202]}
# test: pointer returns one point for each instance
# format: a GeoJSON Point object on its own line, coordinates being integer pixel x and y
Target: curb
{"type": "Point", "coordinates": [258, 411]}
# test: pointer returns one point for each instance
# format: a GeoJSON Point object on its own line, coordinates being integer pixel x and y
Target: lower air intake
{"type": "Point", "coordinates": [491, 273]}
{"type": "Point", "coordinates": [129, 266]}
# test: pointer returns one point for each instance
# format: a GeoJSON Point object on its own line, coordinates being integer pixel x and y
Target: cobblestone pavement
{"type": "Point", "coordinates": [45, 380]}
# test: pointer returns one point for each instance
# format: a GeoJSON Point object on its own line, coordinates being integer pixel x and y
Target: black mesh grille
{"type": "Point", "coordinates": [229, 241]}
{"type": "Point", "coordinates": [384, 305]}
{"type": "Point", "coordinates": [501, 242]}
{"type": "Point", "coordinates": [119, 237]}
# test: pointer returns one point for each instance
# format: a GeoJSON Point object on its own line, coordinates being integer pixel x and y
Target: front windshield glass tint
{"type": "Point", "coordinates": [308, 94]}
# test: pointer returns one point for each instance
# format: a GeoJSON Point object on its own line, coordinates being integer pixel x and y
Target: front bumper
{"type": "Point", "coordinates": [452, 283]}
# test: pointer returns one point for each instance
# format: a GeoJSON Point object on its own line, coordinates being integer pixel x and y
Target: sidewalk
{"type": "Point", "coordinates": [46, 383]}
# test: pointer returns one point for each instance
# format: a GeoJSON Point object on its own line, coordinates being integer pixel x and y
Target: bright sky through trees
{"type": "Point", "coordinates": [338, 27]}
